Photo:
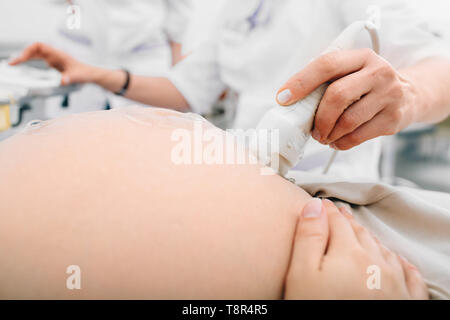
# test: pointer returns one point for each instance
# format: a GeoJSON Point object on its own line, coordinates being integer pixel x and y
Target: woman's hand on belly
{"type": "Point", "coordinates": [336, 258]}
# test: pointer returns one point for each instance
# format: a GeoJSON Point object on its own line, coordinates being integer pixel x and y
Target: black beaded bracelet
{"type": "Point", "coordinates": [126, 84]}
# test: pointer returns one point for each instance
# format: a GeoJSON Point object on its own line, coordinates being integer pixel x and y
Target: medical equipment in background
{"type": "Point", "coordinates": [295, 122]}
{"type": "Point", "coordinates": [20, 85]}
{"type": "Point", "coordinates": [418, 157]}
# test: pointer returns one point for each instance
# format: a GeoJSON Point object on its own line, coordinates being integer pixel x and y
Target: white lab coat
{"type": "Point", "coordinates": [134, 35]}
{"type": "Point", "coordinates": [257, 45]}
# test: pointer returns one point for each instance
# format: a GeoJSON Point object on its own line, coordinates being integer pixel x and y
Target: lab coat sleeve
{"type": "Point", "coordinates": [198, 78]}
{"type": "Point", "coordinates": [177, 22]}
{"type": "Point", "coordinates": [405, 36]}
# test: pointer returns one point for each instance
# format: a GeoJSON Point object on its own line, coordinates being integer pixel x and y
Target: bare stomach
{"type": "Point", "coordinates": [101, 191]}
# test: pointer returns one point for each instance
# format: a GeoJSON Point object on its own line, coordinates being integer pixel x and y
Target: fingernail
{"type": "Point", "coordinates": [332, 145]}
{"type": "Point", "coordinates": [284, 96]}
{"type": "Point", "coordinates": [316, 134]}
{"type": "Point", "coordinates": [313, 209]}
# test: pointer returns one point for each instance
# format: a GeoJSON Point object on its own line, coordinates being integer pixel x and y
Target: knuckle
{"type": "Point", "coordinates": [348, 121]}
{"type": "Point", "coordinates": [341, 145]}
{"type": "Point", "coordinates": [337, 93]}
{"type": "Point", "coordinates": [348, 142]}
{"type": "Point", "coordinates": [368, 52]}
{"type": "Point", "coordinates": [327, 63]}
{"type": "Point", "coordinates": [385, 71]}
{"type": "Point", "coordinates": [312, 235]}
{"type": "Point", "coordinates": [395, 116]}
{"type": "Point", "coordinates": [391, 130]}
{"type": "Point", "coordinates": [359, 229]}
{"type": "Point", "coordinates": [320, 123]}
{"type": "Point", "coordinates": [395, 91]}
{"type": "Point", "coordinates": [38, 46]}
{"type": "Point", "coordinates": [353, 139]}
{"type": "Point", "coordinates": [381, 70]}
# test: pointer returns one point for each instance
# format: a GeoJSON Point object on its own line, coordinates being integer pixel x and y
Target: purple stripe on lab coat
{"type": "Point", "coordinates": [253, 19]}
{"type": "Point", "coordinates": [148, 46]}
{"type": "Point", "coordinates": [76, 37]}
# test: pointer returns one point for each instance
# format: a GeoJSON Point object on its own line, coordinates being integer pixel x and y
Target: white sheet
{"type": "Point", "coordinates": [411, 222]}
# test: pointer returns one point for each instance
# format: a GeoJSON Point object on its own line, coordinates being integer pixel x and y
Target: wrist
{"type": "Point", "coordinates": [97, 75]}
{"type": "Point", "coordinates": [420, 103]}
{"type": "Point", "coordinates": [421, 99]}
{"type": "Point", "coordinates": [416, 99]}
{"type": "Point", "coordinates": [111, 80]}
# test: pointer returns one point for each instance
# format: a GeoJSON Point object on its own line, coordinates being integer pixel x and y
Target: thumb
{"type": "Point", "coordinates": [325, 68]}
{"type": "Point", "coordinates": [295, 89]}
{"type": "Point", "coordinates": [306, 80]}
{"type": "Point", "coordinates": [311, 237]}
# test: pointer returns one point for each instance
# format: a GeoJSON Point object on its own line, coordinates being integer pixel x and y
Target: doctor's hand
{"type": "Point", "coordinates": [336, 258]}
{"type": "Point", "coordinates": [72, 70]}
{"type": "Point", "coordinates": [367, 97]}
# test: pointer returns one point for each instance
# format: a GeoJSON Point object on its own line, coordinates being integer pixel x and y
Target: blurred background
{"type": "Point", "coordinates": [419, 156]}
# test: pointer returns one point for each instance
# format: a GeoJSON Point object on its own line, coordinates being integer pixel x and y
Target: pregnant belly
{"type": "Point", "coordinates": [100, 192]}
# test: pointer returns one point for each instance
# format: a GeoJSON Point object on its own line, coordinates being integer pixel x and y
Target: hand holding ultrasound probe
{"type": "Point", "coordinates": [367, 97]}
{"type": "Point", "coordinates": [295, 122]}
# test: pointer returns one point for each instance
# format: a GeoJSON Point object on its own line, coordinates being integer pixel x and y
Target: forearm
{"type": "Point", "coordinates": [431, 80]}
{"type": "Point", "coordinates": [154, 91]}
